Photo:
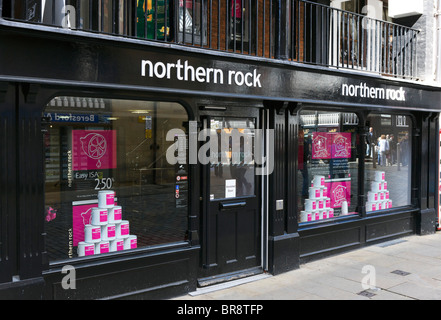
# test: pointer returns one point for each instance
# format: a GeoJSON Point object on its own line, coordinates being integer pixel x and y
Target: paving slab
{"type": "Point", "coordinates": [402, 269]}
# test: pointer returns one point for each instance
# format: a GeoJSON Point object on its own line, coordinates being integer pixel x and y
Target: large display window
{"type": "Point", "coordinates": [388, 162]}
{"type": "Point", "coordinates": [328, 165]}
{"type": "Point", "coordinates": [108, 185]}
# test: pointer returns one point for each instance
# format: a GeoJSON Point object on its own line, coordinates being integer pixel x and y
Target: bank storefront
{"type": "Point", "coordinates": [336, 160]}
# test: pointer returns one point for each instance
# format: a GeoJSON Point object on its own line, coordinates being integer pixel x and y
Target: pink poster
{"type": "Point", "coordinates": [93, 149]}
{"type": "Point", "coordinates": [321, 145]}
{"type": "Point", "coordinates": [339, 191]}
{"type": "Point", "coordinates": [341, 145]}
{"type": "Point", "coordinates": [81, 216]}
{"type": "Point", "coordinates": [331, 145]}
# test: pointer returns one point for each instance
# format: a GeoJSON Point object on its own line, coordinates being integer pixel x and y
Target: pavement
{"type": "Point", "coordinates": [408, 268]}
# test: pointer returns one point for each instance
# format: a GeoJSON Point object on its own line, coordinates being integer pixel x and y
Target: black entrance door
{"type": "Point", "coordinates": [232, 212]}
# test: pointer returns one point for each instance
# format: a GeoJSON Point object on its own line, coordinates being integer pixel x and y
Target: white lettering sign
{"type": "Point", "coordinates": [183, 71]}
{"type": "Point", "coordinates": [362, 90]}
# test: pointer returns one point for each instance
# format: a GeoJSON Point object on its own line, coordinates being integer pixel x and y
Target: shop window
{"type": "Point", "coordinates": [388, 162]}
{"type": "Point", "coordinates": [105, 149]}
{"type": "Point", "coordinates": [327, 165]}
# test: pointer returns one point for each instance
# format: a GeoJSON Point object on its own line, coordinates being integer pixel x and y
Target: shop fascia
{"type": "Point", "coordinates": [183, 71]}
{"type": "Point", "coordinates": [247, 147]}
{"type": "Point", "coordinates": [362, 90]}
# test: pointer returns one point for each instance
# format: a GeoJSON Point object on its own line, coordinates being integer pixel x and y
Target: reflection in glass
{"type": "Point", "coordinates": [388, 162]}
{"type": "Point", "coordinates": [232, 171]}
{"type": "Point", "coordinates": [192, 24]}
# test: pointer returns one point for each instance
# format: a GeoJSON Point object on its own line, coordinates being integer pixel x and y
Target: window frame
{"type": "Point", "coordinates": [139, 251]}
{"type": "Point", "coordinates": [363, 124]}
{"type": "Point", "coordinates": [411, 125]}
{"type": "Point", "coordinates": [357, 214]}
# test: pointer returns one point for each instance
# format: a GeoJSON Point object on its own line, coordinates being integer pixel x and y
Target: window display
{"type": "Point", "coordinates": [378, 197]}
{"type": "Point", "coordinates": [108, 184]}
{"type": "Point", "coordinates": [105, 229]}
{"type": "Point", "coordinates": [387, 164]}
{"type": "Point", "coordinates": [327, 165]}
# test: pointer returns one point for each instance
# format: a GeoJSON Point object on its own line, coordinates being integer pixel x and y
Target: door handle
{"type": "Point", "coordinates": [232, 205]}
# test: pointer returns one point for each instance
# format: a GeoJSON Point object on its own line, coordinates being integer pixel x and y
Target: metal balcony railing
{"type": "Point", "coordinates": [331, 37]}
{"type": "Point", "coordinates": [293, 30]}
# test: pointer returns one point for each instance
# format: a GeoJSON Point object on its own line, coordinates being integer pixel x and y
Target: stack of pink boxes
{"type": "Point", "coordinates": [378, 196]}
{"type": "Point", "coordinates": [107, 232]}
{"type": "Point", "coordinates": [318, 205]}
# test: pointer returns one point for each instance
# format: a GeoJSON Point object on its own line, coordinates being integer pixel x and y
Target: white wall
{"type": "Point", "coordinates": [405, 8]}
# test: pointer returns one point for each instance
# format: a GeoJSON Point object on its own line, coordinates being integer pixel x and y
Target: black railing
{"type": "Point", "coordinates": [331, 37]}
{"type": "Point", "coordinates": [295, 30]}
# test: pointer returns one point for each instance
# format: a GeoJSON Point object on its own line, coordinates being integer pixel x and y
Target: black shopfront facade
{"type": "Point", "coordinates": [196, 223]}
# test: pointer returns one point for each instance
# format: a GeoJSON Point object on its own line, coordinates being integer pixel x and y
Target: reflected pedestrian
{"type": "Point", "coordinates": [369, 141]}
{"type": "Point", "coordinates": [383, 148]}
{"type": "Point", "coordinates": [405, 150]}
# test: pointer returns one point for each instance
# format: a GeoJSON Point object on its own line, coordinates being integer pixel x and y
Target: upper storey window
{"type": "Point", "coordinates": [151, 19]}
{"type": "Point", "coordinates": [347, 34]}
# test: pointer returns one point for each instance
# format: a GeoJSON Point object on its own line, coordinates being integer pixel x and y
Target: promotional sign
{"type": "Point", "coordinates": [339, 191]}
{"type": "Point", "coordinates": [336, 148]}
{"type": "Point", "coordinates": [321, 145]}
{"type": "Point", "coordinates": [341, 145]}
{"type": "Point", "coordinates": [331, 145]}
{"type": "Point", "coordinates": [93, 149]}
{"type": "Point", "coordinates": [81, 216]}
